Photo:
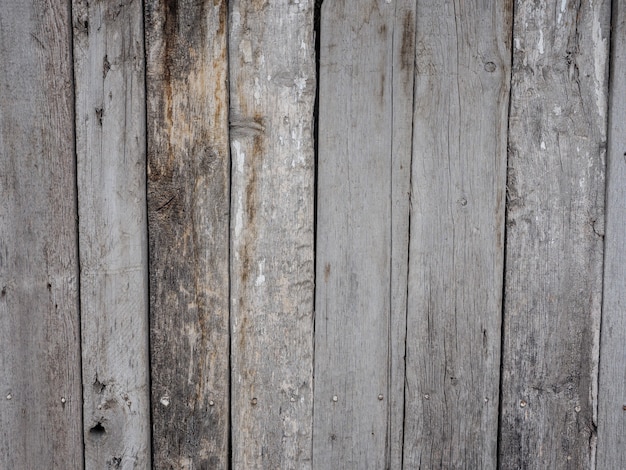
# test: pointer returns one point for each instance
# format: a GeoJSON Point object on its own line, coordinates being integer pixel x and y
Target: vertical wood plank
{"type": "Point", "coordinates": [110, 136]}
{"type": "Point", "coordinates": [40, 393]}
{"type": "Point", "coordinates": [612, 389]}
{"type": "Point", "coordinates": [188, 212]}
{"type": "Point", "coordinates": [557, 142]}
{"type": "Point", "coordinates": [272, 85]}
{"type": "Point", "coordinates": [366, 90]}
{"type": "Point", "coordinates": [456, 238]}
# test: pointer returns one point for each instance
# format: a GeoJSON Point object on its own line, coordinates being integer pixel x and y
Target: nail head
{"type": "Point", "coordinates": [522, 403]}
{"type": "Point", "coordinates": [254, 401]}
{"type": "Point", "coordinates": [335, 398]}
{"type": "Point", "coordinates": [380, 397]}
{"type": "Point", "coordinates": [211, 403]}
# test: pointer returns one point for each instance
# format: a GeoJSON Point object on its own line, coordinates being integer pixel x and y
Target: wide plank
{"type": "Point", "coordinates": [611, 421]}
{"type": "Point", "coordinates": [272, 87]}
{"type": "Point", "coordinates": [110, 148]}
{"type": "Point", "coordinates": [40, 391]}
{"type": "Point", "coordinates": [456, 250]}
{"type": "Point", "coordinates": [554, 246]}
{"type": "Point", "coordinates": [366, 89]}
{"type": "Point", "coordinates": [188, 213]}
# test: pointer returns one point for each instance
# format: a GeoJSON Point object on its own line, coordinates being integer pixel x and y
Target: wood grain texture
{"type": "Point", "coordinates": [272, 85]}
{"type": "Point", "coordinates": [40, 393]}
{"type": "Point", "coordinates": [188, 212]}
{"type": "Point", "coordinates": [557, 145]}
{"type": "Point", "coordinates": [456, 238]}
{"type": "Point", "coordinates": [366, 90]}
{"type": "Point", "coordinates": [611, 422]}
{"type": "Point", "coordinates": [110, 147]}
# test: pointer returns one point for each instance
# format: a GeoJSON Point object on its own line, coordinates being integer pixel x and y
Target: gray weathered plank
{"type": "Point", "coordinates": [557, 141]}
{"type": "Point", "coordinates": [40, 393]}
{"type": "Point", "coordinates": [612, 388]}
{"type": "Point", "coordinates": [366, 89]}
{"type": "Point", "coordinates": [456, 237]}
{"type": "Point", "coordinates": [188, 213]}
{"type": "Point", "coordinates": [110, 147]}
{"type": "Point", "coordinates": [272, 84]}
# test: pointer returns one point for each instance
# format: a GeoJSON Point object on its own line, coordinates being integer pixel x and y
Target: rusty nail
{"type": "Point", "coordinates": [254, 401]}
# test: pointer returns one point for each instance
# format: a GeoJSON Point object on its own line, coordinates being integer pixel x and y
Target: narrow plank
{"type": "Point", "coordinates": [188, 213]}
{"type": "Point", "coordinates": [366, 89]}
{"type": "Point", "coordinates": [456, 238]}
{"type": "Point", "coordinates": [557, 144]}
{"type": "Point", "coordinates": [40, 392]}
{"type": "Point", "coordinates": [612, 388]}
{"type": "Point", "coordinates": [110, 147]}
{"type": "Point", "coordinates": [272, 86]}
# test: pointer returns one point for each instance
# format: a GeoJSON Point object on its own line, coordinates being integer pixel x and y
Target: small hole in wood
{"type": "Point", "coordinates": [97, 430]}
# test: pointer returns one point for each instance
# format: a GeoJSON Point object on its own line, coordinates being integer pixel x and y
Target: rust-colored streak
{"type": "Point", "coordinates": [326, 272]}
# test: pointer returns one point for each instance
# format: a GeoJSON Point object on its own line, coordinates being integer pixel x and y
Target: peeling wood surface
{"type": "Point", "coordinates": [110, 148]}
{"type": "Point", "coordinates": [40, 391]}
{"type": "Point", "coordinates": [612, 390]}
{"type": "Point", "coordinates": [366, 89]}
{"type": "Point", "coordinates": [457, 234]}
{"type": "Point", "coordinates": [557, 145]}
{"type": "Point", "coordinates": [272, 86]}
{"type": "Point", "coordinates": [188, 211]}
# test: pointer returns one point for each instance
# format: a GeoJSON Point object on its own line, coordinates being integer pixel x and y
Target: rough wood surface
{"type": "Point", "coordinates": [272, 86]}
{"type": "Point", "coordinates": [40, 393]}
{"type": "Point", "coordinates": [612, 390]}
{"type": "Point", "coordinates": [110, 147]}
{"type": "Point", "coordinates": [457, 234]}
{"type": "Point", "coordinates": [557, 142]}
{"type": "Point", "coordinates": [366, 89]}
{"type": "Point", "coordinates": [188, 212]}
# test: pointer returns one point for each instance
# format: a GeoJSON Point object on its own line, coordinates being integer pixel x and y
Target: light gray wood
{"type": "Point", "coordinates": [457, 234]}
{"type": "Point", "coordinates": [557, 142]}
{"type": "Point", "coordinates": [272, 86]}
{"type": "Point", "coordinates": [40, 393]}
{"type": "Point", "coordinates": [110, 147]}
{"type": "Point", "coordinates": [366, 89]}
{"type": "Point", "coordinates": [611, 421]}
{"type": "Point", "coordinates": [188, 212]}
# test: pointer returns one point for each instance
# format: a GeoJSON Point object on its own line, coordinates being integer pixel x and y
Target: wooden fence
{"type": "Point", "coordinates": [257, 234]}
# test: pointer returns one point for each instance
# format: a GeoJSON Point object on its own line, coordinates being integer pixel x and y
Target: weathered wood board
{"type": "Point", "coordinates": [366, 90]}
{"type": "Point", "coordinates": [110, 149]}
{"type": "Point", "coordinates": [188, 212]}
{"type": "Point", "coordinates": [457, 234]}
{"type": "Point", "coordinates": [40, 391]}
{"type": "Point", "coordinates": [272, 87]}
{"type": "Point", "coordinates": [553, 292]}
{"type": "Point", "coordinates": [611, 421]}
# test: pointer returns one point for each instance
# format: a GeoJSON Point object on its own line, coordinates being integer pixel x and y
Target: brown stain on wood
{"type": "Point", "coordinates": [326, 272]}
{"type": "Point", "coordinates": [408, 42]}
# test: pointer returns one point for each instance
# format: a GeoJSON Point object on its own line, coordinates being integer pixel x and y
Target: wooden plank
{"type": "Point", "coordinates": [456, 237]}
{"type": "Point", "coordinates": [557, 142]}
{"type": "Point", "coordinates": [110, 147]}
{"type": "Point", "coordinates": [188, 212]}
{"type": "Point", "coordinates": [40, 393]}
{"type": "Point", "coordinates": [272, 86]}
{"type": "Point", "coordinates": [366, 89]}
{"type": "Point", "coordinates": [612, 388]}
